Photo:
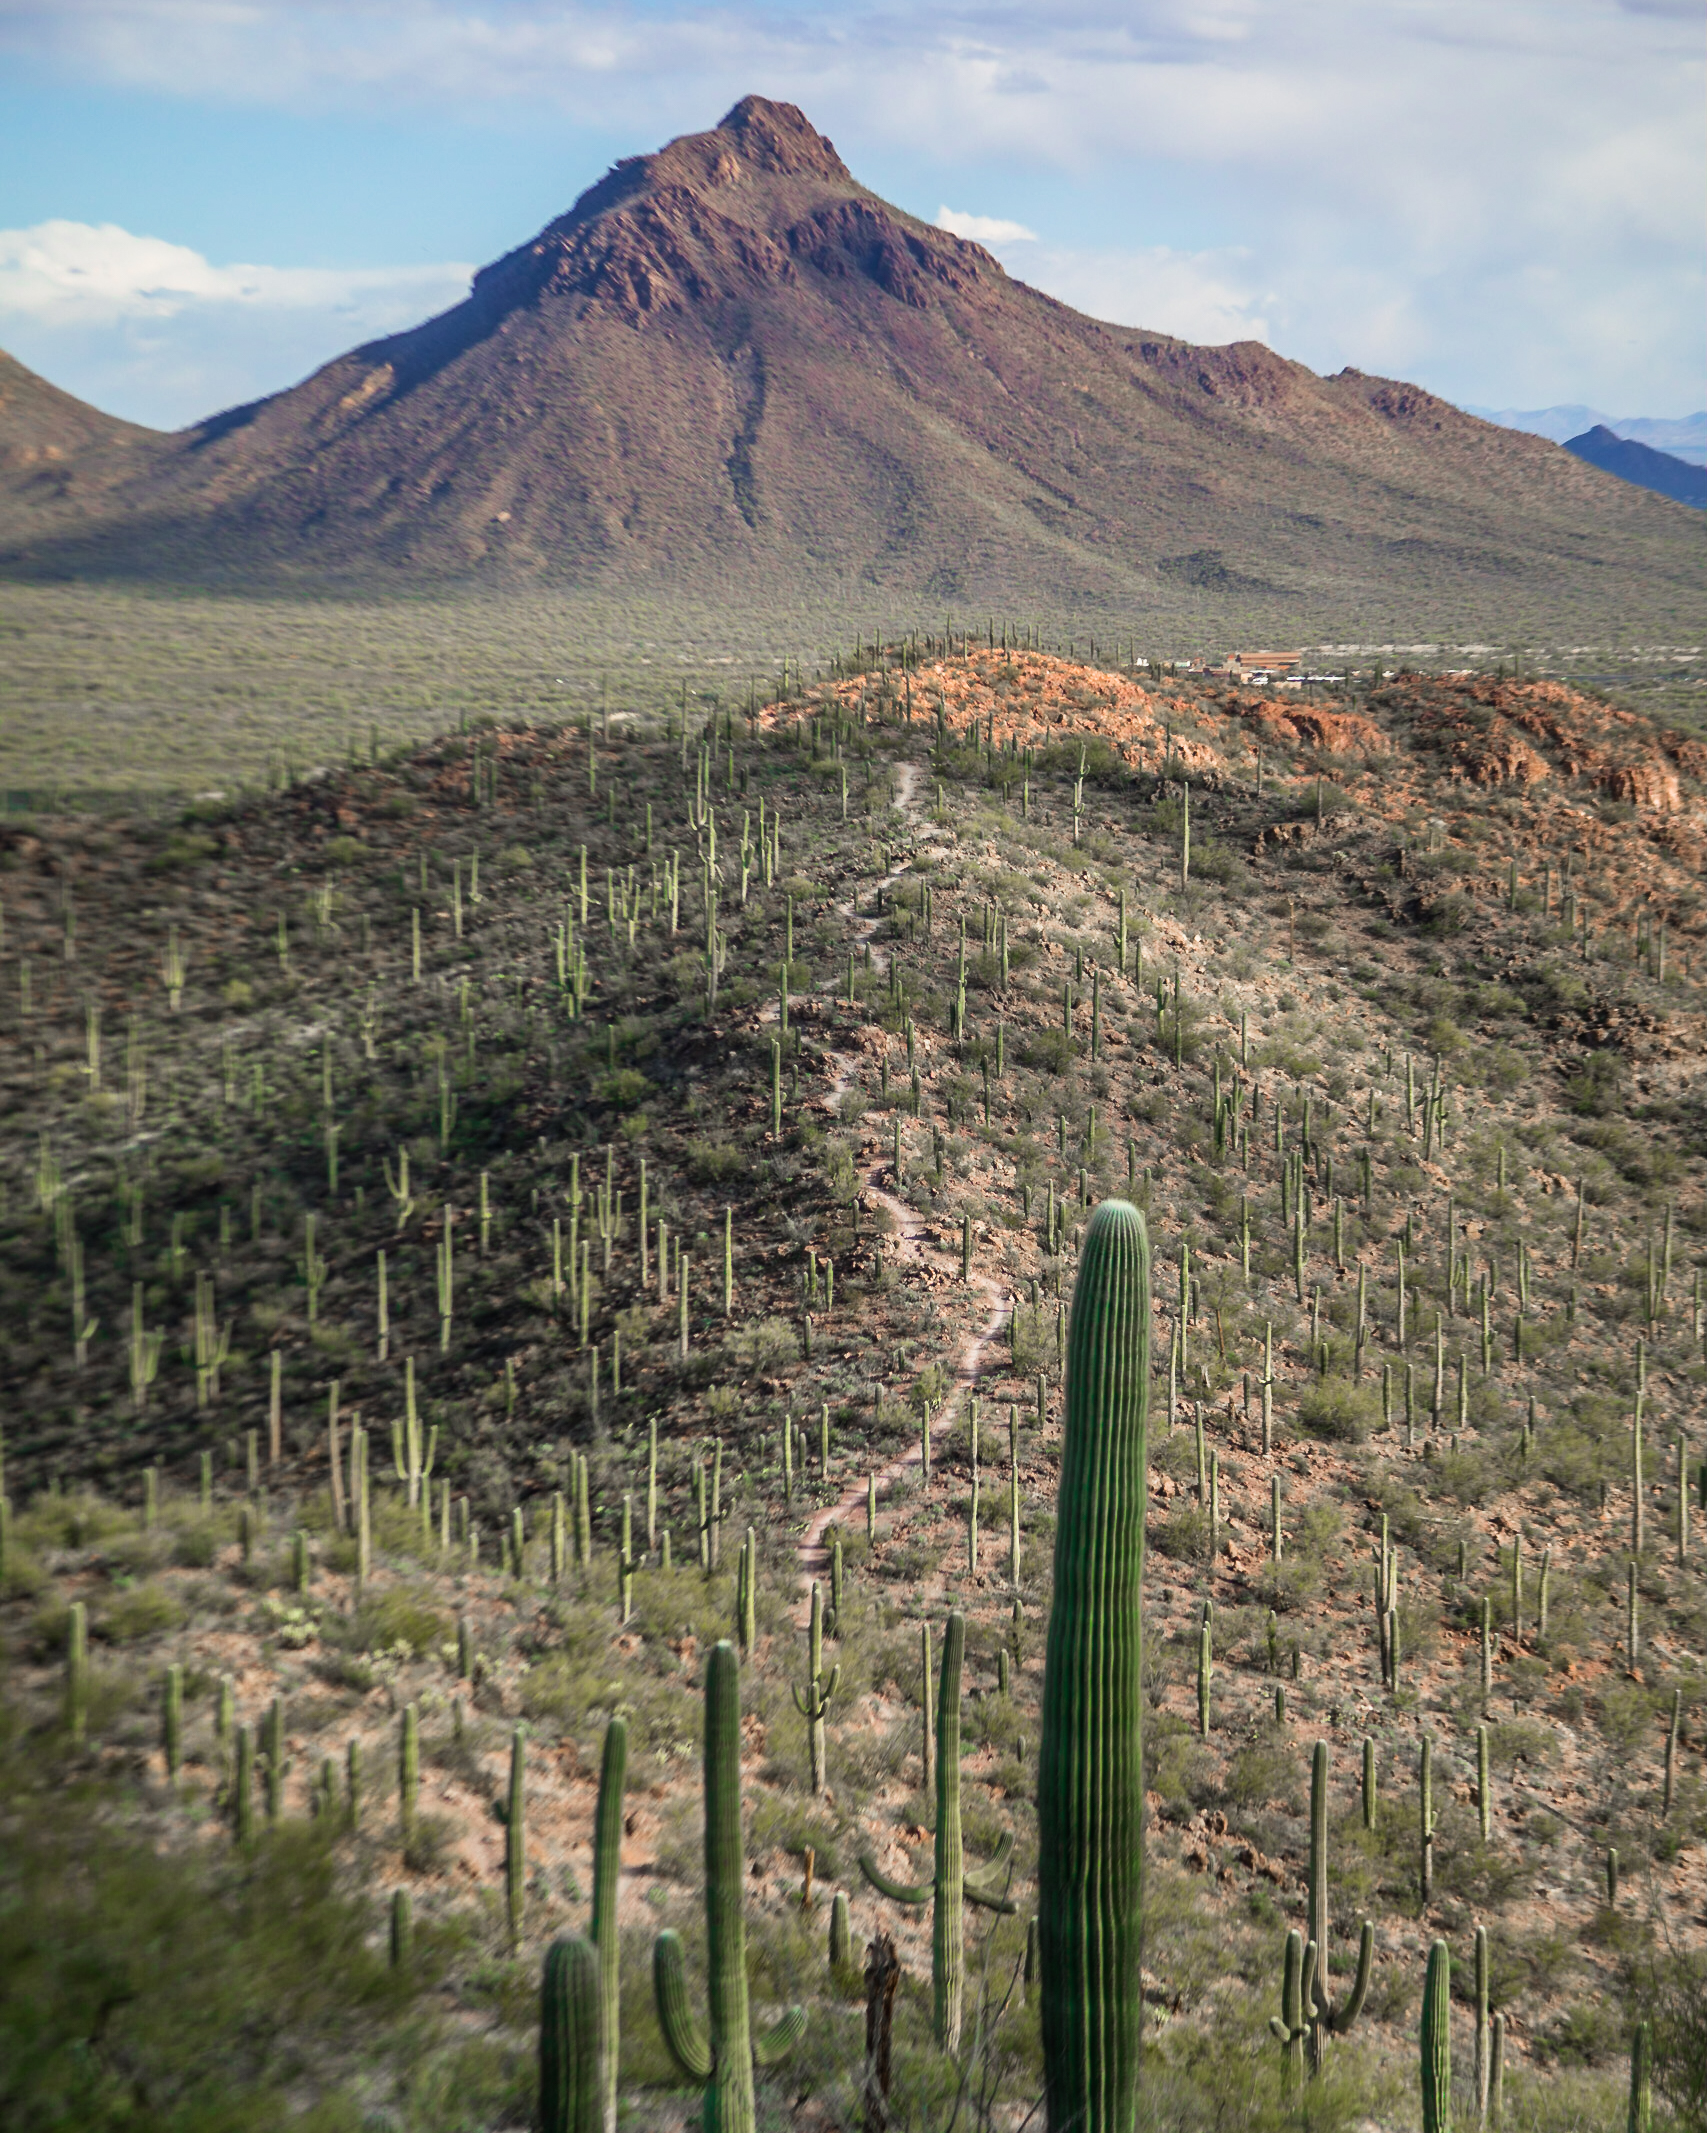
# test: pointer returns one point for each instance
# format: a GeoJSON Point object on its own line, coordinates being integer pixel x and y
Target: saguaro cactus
{"type": "Point", "coordinates": [841, 1936]}
{"type": "Point", "coordinates": [725, 2060]}
{"type": "Point", "coordinates": [1296, 1977]}
{"type": "Point", "coordinates": [515, 1838]}
{"type": "Point", "coordinates": [1642, 2080]}
{"type": "Point", "coordinates": [1425, 1802]}
{"type": "Point", "coordinates": [950, 1886]}
{"type": "Point", "coordinates": [1325, 2018]}
{"type": "Point", "coordinates": [77, 1672]}
{"type": "Point", "coordinates": [573, 2066]}
{"type": "Point", "coordinates": [1090, 1774]}
{"type": "Point", "coordinates": [172, 1722]}
{"type": "Point", "coordinates": [813, 1705]}
{"type": "Point", "coordinates": [408, 1773]}
{"type": "Point", "coordinates": [607, 1869]}
{"type": "Point", "coordinates": [1437, 2041]}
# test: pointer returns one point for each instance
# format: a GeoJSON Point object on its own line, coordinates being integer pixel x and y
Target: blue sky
{"type": "Point", "coordinates": [202, 199]}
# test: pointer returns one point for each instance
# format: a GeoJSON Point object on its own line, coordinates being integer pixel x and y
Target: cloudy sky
{"type": "Point", "coordinates": [1502, 199]}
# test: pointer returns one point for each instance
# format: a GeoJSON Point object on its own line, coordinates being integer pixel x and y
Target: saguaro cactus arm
{"type": "Point", "coordinates": [688, 2043]}
{"type": "Point", "coordinates": [978, 1886]}
{"type": "Point", "coordinates": [914, 1892]}
{"type": "Point", "coordinates": [771, 2046]}
{"type": "Point", "coordinates": [1339, 2019]}
{"type": "Point", "coordinates": [818, 1696]}
{"type": "Point", "coordinates": [981, 1883]}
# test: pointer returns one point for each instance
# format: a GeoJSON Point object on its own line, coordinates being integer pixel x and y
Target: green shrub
{"type": "Point", "coordinates": [1183, 1535]}
{"type": "Point", "coordinates": [1050, 1051]}
{"type": "Point", "coordinates": [710, 1162]}
{"type": "Point", "coordinates": [1339, 1410]}
{"type": "Point", "coordinates": [143, 1611]}
{"type": "Point", "coordinates": [626, 1089]}
{"type": "Point", "coordinates": [194, 1991]}
{"type": "Point", "coordinates": [398, 1616]}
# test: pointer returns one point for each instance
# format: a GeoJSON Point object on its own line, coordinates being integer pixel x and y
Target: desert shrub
{"type": "Point", "coordinates": [1050, 1051]}
{"type": "Point", "coordinates": [273, 1975]}
{"type": "Point", "coordinates": [625, 1090]}
{"type": "Point", "coordinates": [1670, 1989]}
{"type": "Point", "coordinates": [1593, 1089]}
{"type": "Point", "coordinates": [184, 848]}
{"type": "Point", "coordinates": [428, 1850]}
{"type": "Point", "coordinates": [1339, 1410]}
{"type": "Point", "coordinates": [1268, 1769]}
{"type": "Point", "coordinates": [711, 1161]}
{"type": "Point", "coordinates": [765, 1347]}
{"type": "Point", "coordinates": [142, 1611]}
{"type": "Point", "coordinates": [778, 1823]}
{"type": "Point", "coordinates": [1183, 1535]}
{"type": "Point", "coordinates": [1289, 1584]}
{"type": "Point", "coordinates": [397, 1616]}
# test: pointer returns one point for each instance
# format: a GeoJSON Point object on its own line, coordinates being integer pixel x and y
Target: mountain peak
{"type": "Point", "coordinates": [781, 139]}
{"type": "Point", "coordinates": [731, 365]}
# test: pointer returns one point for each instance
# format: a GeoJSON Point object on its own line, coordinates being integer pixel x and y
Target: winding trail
{"type": "Point", "coordinates": [911, 1241]}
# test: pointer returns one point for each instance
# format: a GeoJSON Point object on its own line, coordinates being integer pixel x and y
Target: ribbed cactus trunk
{"type": "Point", "coordinates": [515, 1839]}
{"type": "Point", "coordinates": [1437, 2042]}
{"type": "Point", "coordinates": [948, 1918]}
{"type": "Point", "coordinates": [729, 2099]}
{"type": "Point", "coordinates": [1641, 2118]}
{"type": "Point", "coordinates": [814, 1702]}
{"type": "Point", "coordinates": [1316, 1900]}
{"type": "Point", "coordinates": [572, 2074]}
{"type": "Point", "coordinates": [607, 1868]}
{"type": "Point", "coordinates": [1090, 1773]}
{"type": "Point", "coordinates": [1325, 2018]}
{"type": "Point", "coordinates": [725, 2059]}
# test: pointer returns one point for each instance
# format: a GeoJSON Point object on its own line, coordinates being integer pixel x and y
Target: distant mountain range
{"type": "Point", "coordinates": [1682, 436]}
{"type": "Point", "coordinates": [1649, 469]}
{"type": "Point", "coordinates": [731, 373]}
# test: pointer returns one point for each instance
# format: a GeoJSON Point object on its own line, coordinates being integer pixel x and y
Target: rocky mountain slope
{"type": "Point", "coordinates": [732, 367]}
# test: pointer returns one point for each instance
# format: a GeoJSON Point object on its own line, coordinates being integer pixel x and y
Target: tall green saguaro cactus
{"type": "Point", "coordinates": [607, 1869]}
{"type": "Point", "coordinates": [950, 1887]}
{"type": "Point", "coordinates": [814, 1704]}
{"type": "Point", "coordinates": [1325, 2018]}
{"type": "Point", "coordinates": [725, 2060]}
{"type": "Point", "coordinates": [1090, 1793]}
{"type": "Point", "coordinates": [1641, 2118]}
{"type": "Point", "coordinates": [1437, 2041]}
{"type": "Point", "coordinates": [573, 2066]}
{"type": "Point", "coordinates": [515, 1838]}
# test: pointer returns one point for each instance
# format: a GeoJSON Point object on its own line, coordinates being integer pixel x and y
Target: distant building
{"type": "Point", "coordinates": [1257, 669]}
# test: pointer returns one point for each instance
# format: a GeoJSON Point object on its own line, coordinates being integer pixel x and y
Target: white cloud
{"type": "Point", "coordinates": [82, 274]}
{"type": "Point", "coordinates": [983, 229]}
{"type": "Point", "coordinates": [154, 331]}
{"type": "Point", "coordinates": [1196, 296]}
